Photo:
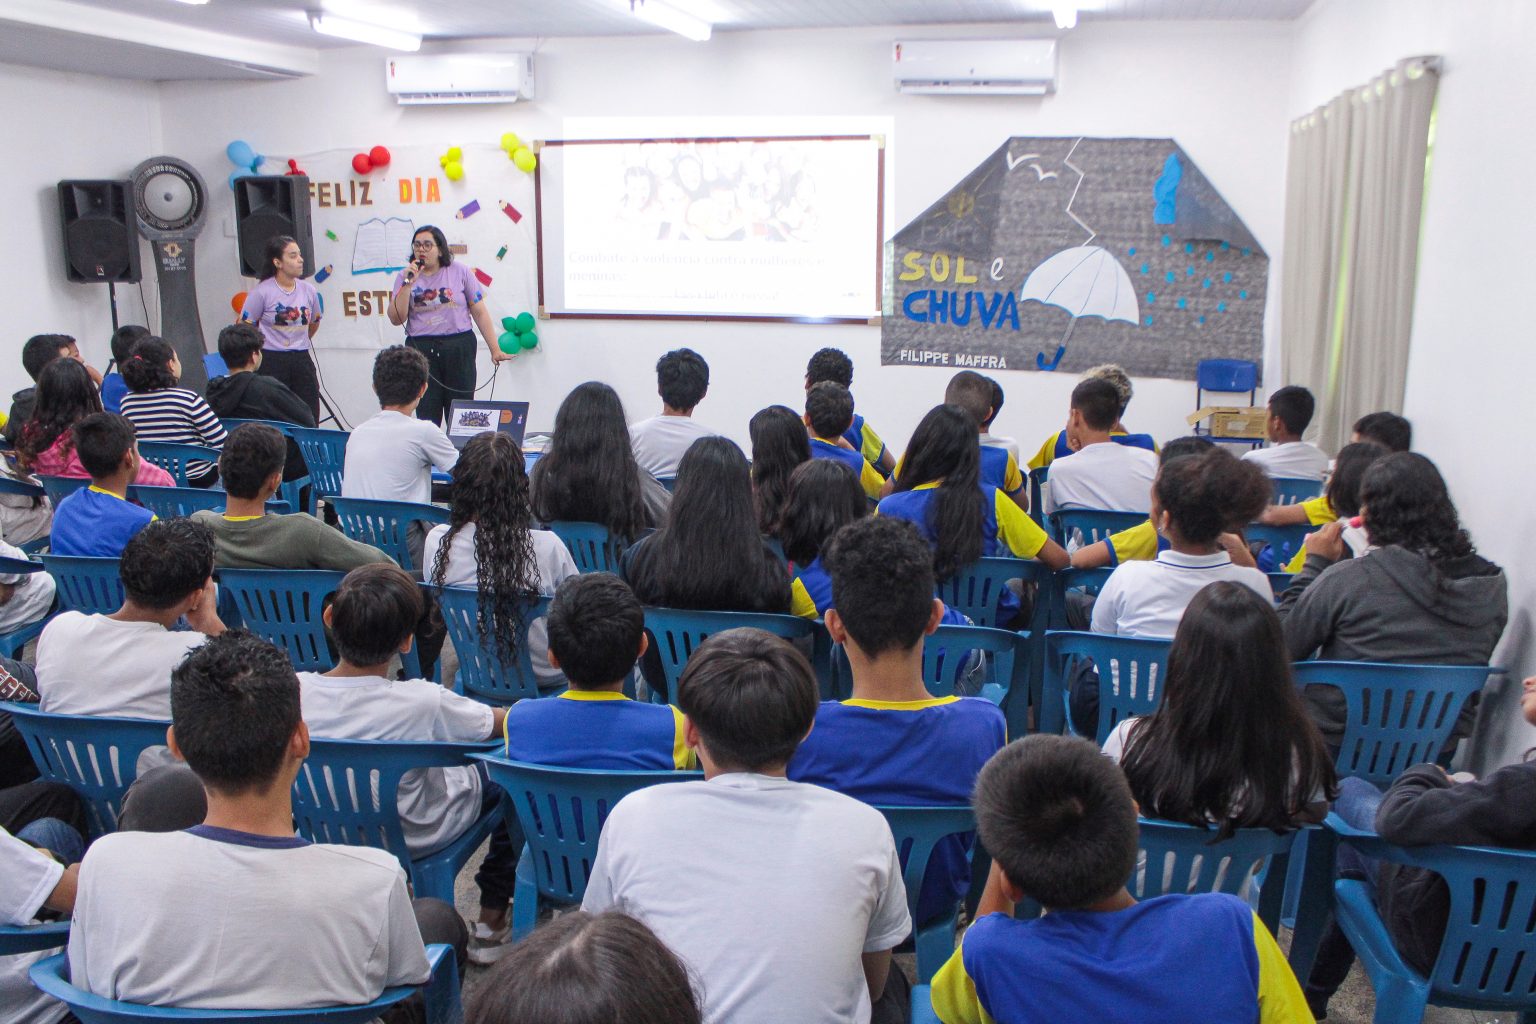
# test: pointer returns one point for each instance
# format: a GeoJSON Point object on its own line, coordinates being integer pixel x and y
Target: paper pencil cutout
{"type": "Point", "coordinates": [469, 209]}
{"type": "Point", "coordinates": [323, 273]}
{"type": "Point", "coordinates": [510, 210]}
{"type": "Point", "coordinates": [331, 235]}
{"type": "Point", "coordinates": [501, 253]}
{"type": "Point", "coordinates": [482, 277]}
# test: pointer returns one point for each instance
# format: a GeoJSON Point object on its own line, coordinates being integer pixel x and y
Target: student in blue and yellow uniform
{"type": "Point", "coordinates": [834, 365]}
{"type": "Point", "coordinates": [1056, 446]}
{"type": "Point", "coordinates": [891, 742]}
{"type": "Point", "coordinates": [596, 634]}
{"type": "Point", "coordinates": [1059, 820]}
{"type": "Point", "coordinates": [974, 393]}
{"type": "Point", "coordinates": [823, 497]}
{"type": "Point", "coordinates": [828, 411]}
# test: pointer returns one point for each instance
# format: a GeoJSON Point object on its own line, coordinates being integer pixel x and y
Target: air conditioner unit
{"type": "Point", "coordinates": [460, 78]}
{"type": "Point", "coordinates": [1021, 67]}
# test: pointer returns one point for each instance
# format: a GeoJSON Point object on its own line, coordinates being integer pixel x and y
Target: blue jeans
{"type": "Point", "coordinates": [56, 837]}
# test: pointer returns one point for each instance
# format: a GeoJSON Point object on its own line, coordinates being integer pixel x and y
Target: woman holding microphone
{"type": "Point", "coordinates": [286, 309]}
{"type": "Point", "coordinates": [436, 299]}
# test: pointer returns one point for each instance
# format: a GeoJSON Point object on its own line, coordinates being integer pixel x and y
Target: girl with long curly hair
{"type": "Point", "coordinates": [65, 396]}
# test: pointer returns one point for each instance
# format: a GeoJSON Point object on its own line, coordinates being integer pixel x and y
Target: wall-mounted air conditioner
{"type": "Point", "coordinates": [460, 78]}
{"type": "Point", "coordinates": [1024, 67]}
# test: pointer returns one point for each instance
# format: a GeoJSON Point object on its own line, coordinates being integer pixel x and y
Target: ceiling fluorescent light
{"type": "Point", "coordinates": [363, 32]}
{"type": "Point", "coordinates": [1065, 12]}
{"type": "Point", "coordinates": [194, 3]}
{"type": "Point", "coordinates": [672, 19]}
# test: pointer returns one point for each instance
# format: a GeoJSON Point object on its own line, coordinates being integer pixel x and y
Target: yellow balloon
{"type": "Point", "coordinates": [455, 154]}
{"type": "Point", "coordinates": [510, 141]}
{"type": "Point", "coordinates": [442, 161]}
{"type": "Point", "coordinates": [525, 160]}
{"type": "Point", "coordinates": [454, 170]}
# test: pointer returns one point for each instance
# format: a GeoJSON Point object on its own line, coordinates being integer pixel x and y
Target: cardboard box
{"type": "Point", "coordinates": [1232, 420]}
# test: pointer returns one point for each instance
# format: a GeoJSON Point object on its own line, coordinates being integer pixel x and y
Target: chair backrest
{"type": "Point", "coordinates": [1184, 859]}
{"type": "Point", "coordinates": [60, 487]}
{"type": "Point", "coordinates": [10, 485]}
{"type": "Point", "coordinates": [947, 659]}
{"type": "Point", "coordinates": [90, 585]}
{"type": "Point", "coordinates": [669, 482]}
{"type": "Point", "coordinates": [174, 502]}
{"type": "Point", "coordinates": [562, 811]}
{"type": "Point", "coordinates": [677, 632]}
{"type": "Point", "coordinates": [1284, 541]}
{"type": "Point", "coordinates": [590, 545]}
{"type": "Point", "coordinates": [1290, 490]}
{"type": "Point", "coordinates": [1226, 375]}
{"type": "Point", "coordinates": [385, 524]}
{"type": "Point", "coordinates": [1084, 526]}
{"type": "Point", "coordinates": [917, 830]}
{"type": "Point", "coordinates": [29, 938]}
{"type": "Point", "coordinates": [976, 590]}
{"type": "Point", "coordinates": [325, 453]}
{"type": "Point", "coordinates": [482, 673]}
{"type": "Point", "coordinates": [97, 757]}
{"type": "Point", "coordinates": [278, 425]}
{"type": "Point", "coordinates": [173, 458]}
{"type": "Point", "coordinates": [1038, 478]}
{"type": "Point", "coordinates": [214, 365]}
{"type": "Point", "coordinates": [1397, 715]}
{"type": "Point", "coordinates": [1130, 672]}
{"type": "Point", "coordinates": [283, 607]}
{"type": "Point", "coordinates": [1279, 582]}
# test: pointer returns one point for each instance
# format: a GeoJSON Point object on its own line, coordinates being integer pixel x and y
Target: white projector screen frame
{"type": "Point", "coordinates": [777, 246]}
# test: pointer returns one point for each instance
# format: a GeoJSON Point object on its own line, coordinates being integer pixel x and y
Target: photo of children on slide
{"type": "Point", "coordinates": [730, 191]}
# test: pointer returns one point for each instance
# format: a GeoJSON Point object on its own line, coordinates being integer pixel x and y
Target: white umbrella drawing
{"type": "Point", "coordinates": [1085, 281]}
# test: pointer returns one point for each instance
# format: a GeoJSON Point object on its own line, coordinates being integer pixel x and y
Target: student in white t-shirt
{"type": "Point", "coordinates": [1288, 456]}
{"type": "Point", "coordinates": [784, 899]}
{"type": "Point", "coordinates": [120, 664]}
{"type": "Point", "coordinates": [682, 380]}
{"type": "Point", "coordinates": [372, 618]}
{"type": "Point", "coordinates": [1099, 473]}
{"type": "Point", "coordinates": [239, 912]}
{"type": "Point", "coordinates": [39, 867]}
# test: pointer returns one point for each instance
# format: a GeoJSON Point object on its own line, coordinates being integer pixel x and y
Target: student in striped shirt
{"type": "Point", "coordinates": [161, 411]}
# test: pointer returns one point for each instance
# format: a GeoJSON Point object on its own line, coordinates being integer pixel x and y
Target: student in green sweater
{"type": "Point", "coordinates": [247, 537]}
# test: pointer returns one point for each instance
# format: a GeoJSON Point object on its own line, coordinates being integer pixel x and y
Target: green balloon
{"type": "Point", "coordinates": [507, 342]}
{"type": "Point", "coordinates": [509, 323]}
{"type": "Point", "coordinates": [524, 324]}
{"type": "Point", "coordinates": [528, 339]}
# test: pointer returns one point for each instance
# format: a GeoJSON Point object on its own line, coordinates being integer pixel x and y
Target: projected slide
{"type": "Point", "coordinates": [720, 227]}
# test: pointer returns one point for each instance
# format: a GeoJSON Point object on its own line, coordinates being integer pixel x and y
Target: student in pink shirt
{"type": "Point", "coordinates": [65, 396]}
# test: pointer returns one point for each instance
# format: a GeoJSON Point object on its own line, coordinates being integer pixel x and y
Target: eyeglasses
{"type": "Point", "coordinates": [423, 243]}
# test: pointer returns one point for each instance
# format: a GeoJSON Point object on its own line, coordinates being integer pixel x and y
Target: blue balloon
{"type": "Point", "coordinates": [237, 173]}
{"type": "Point", "coordinates": [256, 161]}
{"type": "Point", "coordinates": [240, 153]}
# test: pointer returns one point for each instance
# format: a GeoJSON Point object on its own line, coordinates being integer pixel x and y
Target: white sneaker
{"type": "Point", "coordinates": [487, 946]}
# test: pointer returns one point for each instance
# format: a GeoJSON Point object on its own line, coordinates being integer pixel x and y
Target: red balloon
{"type": "Point", "coordinates": [361, 164]}
{"type": "Point", "coordinates": [379, 155]}
{"type": "Point", "coordinates": [237, 302]}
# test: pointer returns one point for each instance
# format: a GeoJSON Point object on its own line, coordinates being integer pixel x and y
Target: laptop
{"type": "Point", "coordinates": [470, 416]}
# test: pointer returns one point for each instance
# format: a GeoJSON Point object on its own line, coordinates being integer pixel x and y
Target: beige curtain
{"type": "Point", "coordinates": [1354, 196]}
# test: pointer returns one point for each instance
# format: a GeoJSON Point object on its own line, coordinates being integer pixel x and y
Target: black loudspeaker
{"type": "Point", "coordinates": [101, 240]}
{"type": "Point", "coordinates": [268, 205]}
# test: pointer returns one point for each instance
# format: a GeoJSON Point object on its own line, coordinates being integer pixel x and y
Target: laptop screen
{"type": "Point", "coordinates": [469, 416]}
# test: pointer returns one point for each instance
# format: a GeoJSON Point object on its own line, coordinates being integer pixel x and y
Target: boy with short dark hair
{"type": "Point", "coordinates": [249, 395]}
{"type": "Point", "coordinates": [1388, 429]}
{"type": "Point", "coordinates": [158, 914]}
{"type": "Point", "coordinates": [246, 536]}
{"type": "Point", "coordinates": [828, 413]}
{"type": "Point", "coordinates": [1058, 818]}
{"type": "Point", "coordinates": [1288, 456]}
{"type": "Point", "coordinates": [99, 520]}
{"type": "Point", "coordinates": [1101, 473]}
{"type": "Point", "coordinates": [892, 742]}
{"type": "Point", "coordinates": [596, 635]}
{"type": "Point", "coordinates": [1058, 445]}
{"type": "Point", "coordinates": [784, 899]}
{"type": "Point", "coordinates": [997, 440]}
{"type": "Point", "coordinates": [682, 380]}
{"type": "Point", "coordinates": [834, 365]}
{"type": "Point", "coordinates": [38, 352]}
{"type": "Point", "coordinates": [113, 387]}
{"type": "Point", "coordinates": [974, 393]}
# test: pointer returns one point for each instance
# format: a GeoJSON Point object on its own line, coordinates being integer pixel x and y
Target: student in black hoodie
{"type": "Point", "coordinates": [247, 395]}
{"type": "Point", "coordinates": [1424, 807]}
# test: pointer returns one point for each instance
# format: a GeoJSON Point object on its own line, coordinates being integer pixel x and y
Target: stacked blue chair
{"type": "Point", "coordinates": [1294, 490]}
{"type": "Point", "coordinates": [325, 453]}
{"type": "Point", "coordinates": [1084, 526]}
{"type": "Point", "coordinates": [917, 830]}
{"type": "Point", "coordinates": [60, 487]}
{"type": "Point", "coordinates": [1090, 581]}
{"type": "Point", "coordinates": [174, 502]}
{"type": "Point", "coordinates": [90, 585]}
{"type": "Point", "coordinates": [173, 458]}
{"type": "Point", "coordinates": [346, 793]}
{"type": "Point", "coordinates": [283, 607]}
{"type": "Point", "coordinates": [29, 938]}
{"type": "Point", "coordinates": [1284, 541]}
{"type": "Point", "coordinates": [440, 994]}
{"type": "Point", "coordinates": [385, 524]}
{"type": "Point", "coordinates": [677, 632]}
{"type": "Point", "coordinates": [97, 757]}
{"type": "Point", "coordinates": [947, 656]}
{"type": "Point", "coordinates": [561, 811]}
{"type": "Point", "coordinates": [1130, 671]}
{"type": "Point", "coordinates": [11, 643]}
{"type": "Point", "coordinates": [589, 544]}
{"type": "Point", "coordinates": [482, 673]}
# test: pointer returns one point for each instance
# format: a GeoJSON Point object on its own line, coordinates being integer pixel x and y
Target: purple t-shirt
{"type": "Point", "coordinates": [440, 301]}
{"type": "Point", "coordinates": [284, 317]}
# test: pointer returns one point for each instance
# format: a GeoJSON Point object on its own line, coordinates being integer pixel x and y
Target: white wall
{"type": "Point", "coordinates": [1472, 364]}
{"type": "Point", "coordinates": [64, 126]}
{"type": "Point", "coordinates": [1219, 89]}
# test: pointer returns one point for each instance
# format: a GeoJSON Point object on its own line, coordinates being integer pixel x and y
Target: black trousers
{"type": "Point", "coordinates": [21, 805]}
{"type": "Point", "coordinates": [450, 370]}
{"type": "Point", "coordinates": [297, 370]}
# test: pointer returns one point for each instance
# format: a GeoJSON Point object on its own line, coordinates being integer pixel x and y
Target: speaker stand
{"type": "Point", "coordinates": [112, 299]}
{"type": "Point", "coordinates": [330, 414]}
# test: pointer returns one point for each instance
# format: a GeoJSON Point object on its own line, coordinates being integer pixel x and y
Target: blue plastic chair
{"type": "Point", "coordinates": [1487, 960]}
{"type": "Point", "coordinates": [173, 458]}
{"type": "Point", "coordinates": [1037, 481]}
{"type": "Point", "coordinates": [60, 487]}
{"type": "Point", "coordinates": [1290, 490]}
{"type": "Point", "coordinates": [95, 756]}
{"type": "Point", "coordinates": [280, 426]}
{"type": "Point", "coordinates": [325, 453]}
{"type": "Point", "coordinates": [175, 502]}
{"type": "Point", "coordinates": [482, 674]}
{"type": "Point", "coordinates": [11, 643]}
{"type": "Point", "coordinates": [1183, 859]}
{"type": "Point", "coordinates": [561, 811]}
{"type": "Point", "coordinates": [1398, 715]}
{"type": "Point", "coordinates": [346, 793]}
{"type": "Point", "coordinates": [676, 632]}
{"type": "Point", "coordinates": [590, 545]}
{"type": "Point", "coordinates": [283, 607]}
{"type": "Point", "coordinates": [1090, 581]}
{"type": "Point", "coordinates": [1284, 541]}
{"type": "Point", "coordinates": [1130, 671]}
{"type": "Point", "coordinates": [1228, 376]}
{"type": "Point", "coordinates": [1279, 583]}
{"type": "Point", "coordinates": [21, 488]}
{"type": "Point", "coordinates": [385, 524]}
{"type": "Point", "coordinates": [214, 365]}
{"type": "Point", "coordinates": [1084, 526]}
{"type": "Point", "coordinates": [976, 590]}
{"type": "Point", "coordinates": [669, 482]}
{"type": "Point", "coordinates": [947, 654]}
{"type": "Point", "coordinates": [441, 995]}
{"type": "Point", "coordinates": [89, 585]}
{"type": "Point", "coordinates": [917, 830]}
{"type": "Point", "coordinates": [29, 938]}
{"type": "Point", "coordinates": [922, 1005]}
